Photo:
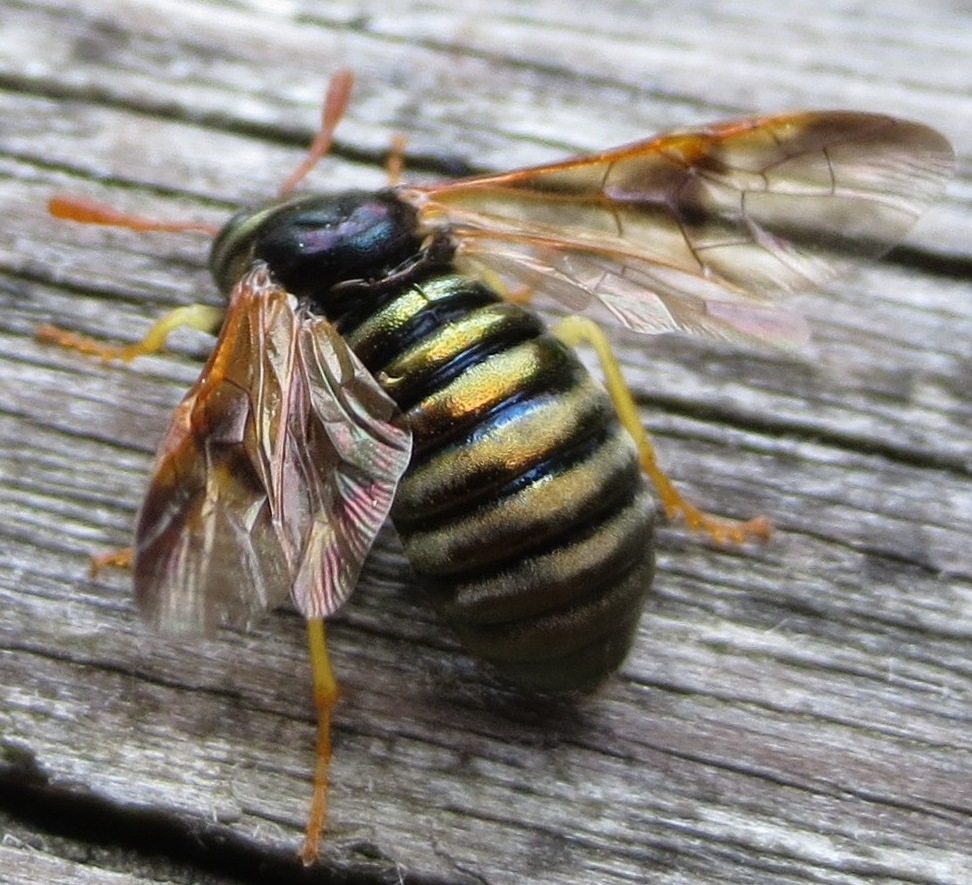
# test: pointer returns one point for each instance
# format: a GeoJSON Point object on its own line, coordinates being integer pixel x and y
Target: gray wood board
{"type": "Point", "coordinates": [795, 712]}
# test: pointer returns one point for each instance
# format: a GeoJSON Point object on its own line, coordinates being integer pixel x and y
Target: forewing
{"type": "Point", "coordinates": [702, 230]}
{"type": "Point", "coordinates": [357, 449]}
{"type": "Point", "coordinates": [248, 475]}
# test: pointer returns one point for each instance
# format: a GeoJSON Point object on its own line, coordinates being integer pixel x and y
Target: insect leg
{"type": "Point", "coordinates": [576, 330]}
{"type": "Point", "coordinates": [113, 559]}
{"type": "Point", "coordinates": [199, 316]}
{"type": "Point", "coordinates": [326, 694]}
{"type": "Point", "coordinates": [395, 163]}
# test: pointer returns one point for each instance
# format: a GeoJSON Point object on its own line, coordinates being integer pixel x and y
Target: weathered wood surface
{"type": "Point", "coordinates": [799, 712]}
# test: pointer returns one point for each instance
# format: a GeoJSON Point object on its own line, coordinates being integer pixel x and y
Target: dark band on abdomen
{"type": "Point", "coordinates": [524, 509]}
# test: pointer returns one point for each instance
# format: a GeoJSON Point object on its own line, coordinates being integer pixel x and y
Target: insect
{"type": "Point", "coordinates": [372, 362]}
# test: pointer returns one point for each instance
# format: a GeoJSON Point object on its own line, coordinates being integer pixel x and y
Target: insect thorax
{"type": "Point", "coordinates": [315, 244]}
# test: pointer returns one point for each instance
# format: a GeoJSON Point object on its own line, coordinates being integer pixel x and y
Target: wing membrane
{"type": "Point", "coordinates": [700, 230]}
{"type": "Point", "coordinates": [275, 475]}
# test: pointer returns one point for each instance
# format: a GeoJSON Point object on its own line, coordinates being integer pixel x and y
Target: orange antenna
{"type": "Point", "coordinates": [89, 211]}
{"type": "Point", "coordinates": [338, 93]}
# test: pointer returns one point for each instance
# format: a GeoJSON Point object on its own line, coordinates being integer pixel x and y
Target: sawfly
{"type": "Point", "coordinates": [371, 362]}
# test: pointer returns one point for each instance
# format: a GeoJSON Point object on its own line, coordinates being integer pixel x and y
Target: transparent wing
{"type": "Point", "coordinates": [275, 476]}
{"type": "Point", "coordinates": [702, 230]}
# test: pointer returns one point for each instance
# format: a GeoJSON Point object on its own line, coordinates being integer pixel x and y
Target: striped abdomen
{"type": "Point", "coordinates": [523, 510]}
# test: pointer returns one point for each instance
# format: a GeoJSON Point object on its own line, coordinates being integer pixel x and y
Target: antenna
{"type": "Point", "coordinates": [335, 103]}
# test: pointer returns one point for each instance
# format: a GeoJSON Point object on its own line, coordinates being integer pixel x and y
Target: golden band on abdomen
{"type": "Point", "coordinates": [524, 509]}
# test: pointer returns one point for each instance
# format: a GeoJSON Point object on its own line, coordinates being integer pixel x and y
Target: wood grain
{"type": "Point", "coordinates": [793, 713]}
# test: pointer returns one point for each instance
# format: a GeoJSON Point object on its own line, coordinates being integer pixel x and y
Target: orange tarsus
{"type": "Point", "coordinates": [49, 334]}
{"type": "Point", "coordinates": [338, 93]}
{"type": "Point", "coordinates": [317, 817]}
{"type": "Point", "coordinates": [113, 559]}
{"type": "Point", "coordinates": [725, 532]}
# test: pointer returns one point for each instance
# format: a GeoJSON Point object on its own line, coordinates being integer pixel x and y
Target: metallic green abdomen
{"type": "Point", "coordinates": [524, 510]}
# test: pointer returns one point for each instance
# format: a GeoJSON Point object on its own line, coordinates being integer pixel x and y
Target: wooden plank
{"type": "Point", "coordinates": [22, 865]}
{"type": "Point", "coordinates": [791, 713]}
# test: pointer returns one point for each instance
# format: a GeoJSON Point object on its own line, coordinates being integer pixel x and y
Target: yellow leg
{"type": "Point", "coordinates": [578, 330]}
{"type": "Point", "coordinates": [325, 697]}
{"type": "Point", "coordinates": [326, 694]}
{"type": "Point", "coordinates": [198, 316]}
